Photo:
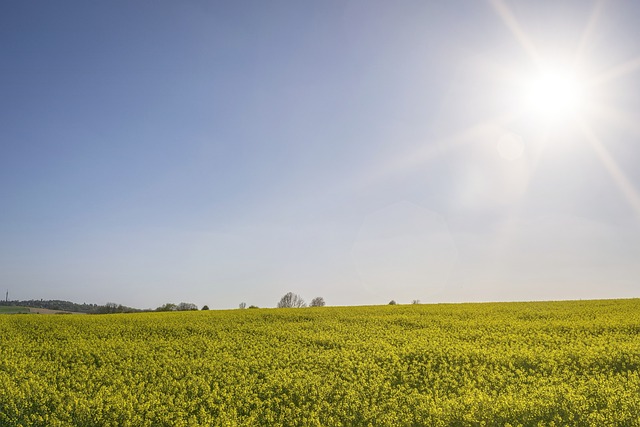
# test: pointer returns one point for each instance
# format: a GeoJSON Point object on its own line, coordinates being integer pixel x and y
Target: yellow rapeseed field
{"type": "Point", "coordinates": [499, 364]}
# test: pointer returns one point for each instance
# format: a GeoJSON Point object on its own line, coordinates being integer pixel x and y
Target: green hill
{"type": "Point", "coordinates": [13, 310]}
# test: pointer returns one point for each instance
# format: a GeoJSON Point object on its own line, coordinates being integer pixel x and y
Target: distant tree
{"type": "Point", "coordinates": [392, 302]}
{"type": "Point", "coordinates": [108, 308]}
{"type": "Point", "coordinates": [111, 307]}
{"type": "Point", "coordinates": [253, 306]}
{"type": "Point", "coordinates": [186, 306]}
{"type": "Point", "coordinates": [167, 307]}
{"type": "Point", "coordinates": [242, 305]}
{"type": "Point", "coordinates": [291, 300]}
{"type": "Point", "coordinates": [317, 302]}
{"type": "Point", "coordinates": [205, 307]}
{"type": "Point", "coordinates": [415, 301]}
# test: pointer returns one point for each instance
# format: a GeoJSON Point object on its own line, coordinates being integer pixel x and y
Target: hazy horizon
{"type": "Point", "coordinates": [362, 151]}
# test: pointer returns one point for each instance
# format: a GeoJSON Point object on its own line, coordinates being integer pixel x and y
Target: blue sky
{"type": "Point", "coordinates": [363, 151]}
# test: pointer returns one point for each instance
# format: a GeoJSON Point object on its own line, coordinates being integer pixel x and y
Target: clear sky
{"type": "Point", "coordinates": [362, 151]}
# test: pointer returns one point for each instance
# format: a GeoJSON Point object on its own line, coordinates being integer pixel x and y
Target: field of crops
{"type": "Point", "coordinates": [13, 310]}
{"type": "Point", "coordinates": [553, 363]}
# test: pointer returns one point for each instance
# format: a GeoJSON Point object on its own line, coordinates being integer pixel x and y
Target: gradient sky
{"type": "Point", "coordinates": [362, 151]}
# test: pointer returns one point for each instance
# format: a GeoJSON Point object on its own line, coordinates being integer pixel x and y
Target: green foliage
{"type": "Point", "coordinates": [186, 306]}
{"type": "Point", "coordinates": [527, 364]}
{"type": "Point", "coordinates": [112, 307]}
{"type": "Point", "coordinates": [183, 306]}
{"type": "Point", "coordinates": [167, 307]}
{"type": "Point", "coordinates": [317, 302]}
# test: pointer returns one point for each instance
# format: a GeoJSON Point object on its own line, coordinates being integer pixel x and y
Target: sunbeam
{"type": "Point", "coordinates": [616, 72]}
{"type": "Point", "coordinates": [434, 149]}
{"type": "Point", "coordinates": [620, 179]}
{"type": "Point", "coordinates": [588, 31]}
{"type": "Point", "coordinates": [512, 23]}
{"type": "Point", "coordinates": [616, 117]}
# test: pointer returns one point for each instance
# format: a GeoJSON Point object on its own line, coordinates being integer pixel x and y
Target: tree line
{"type": "Point", "coordinates": [289, 300]}
{"type": "Point", "coordinates": [73, 307]}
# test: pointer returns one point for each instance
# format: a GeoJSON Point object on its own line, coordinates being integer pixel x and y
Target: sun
{"type": "Point", "coordinates": [554, 94]}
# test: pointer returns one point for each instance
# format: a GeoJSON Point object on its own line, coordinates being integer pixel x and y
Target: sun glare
{"type": "Point", "coordinates": [554, 94]}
